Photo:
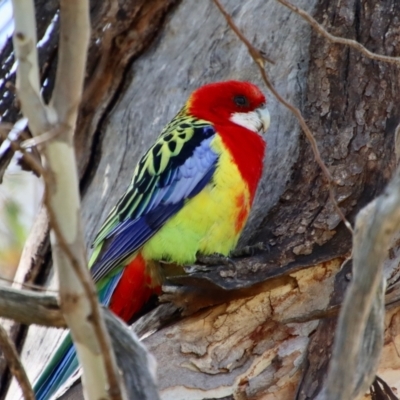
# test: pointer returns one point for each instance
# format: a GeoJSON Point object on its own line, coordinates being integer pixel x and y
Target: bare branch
{"type": "Point", "coordinates": [17, 369]}
{"type": "Point", "coordinates": [77, 292]}
{"type": "Point", "coordinates": [28, 83]}
{"type": "Point", "coordinates": [25, 43]}
{"type": "Point", "coordinates": [336, 39]}
{"type": "Point", "coordinates": [74, 40]}
{"type": "Point", "coordinates": [375, 226]}
{"type": "Point", "coordinates": [258, 59]}
{"type": "Point", "coordinates": [28, 307]}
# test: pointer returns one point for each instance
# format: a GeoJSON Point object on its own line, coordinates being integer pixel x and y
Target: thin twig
{"type": "Point", "coordinates": [37, 140]}
{"type": "Point", "coordinates": [255, 53]}
{"type": "Point", "coordinates": [30, 160]}
{"type": "Point", "coordinates": [30, 286]}
{"type": "Point", "coordinates": [336, 39]}
{"type": "Point", "coordinates": [17, 369]}
{"type": "Point", "coordinates": [259, 60]}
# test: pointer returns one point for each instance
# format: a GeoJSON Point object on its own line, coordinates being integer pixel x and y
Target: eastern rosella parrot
{"type": "Point", "coordinates": [190, 193]}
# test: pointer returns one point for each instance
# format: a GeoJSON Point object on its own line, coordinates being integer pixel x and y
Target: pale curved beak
{"type": "Point", "coordinates": [265, 118]}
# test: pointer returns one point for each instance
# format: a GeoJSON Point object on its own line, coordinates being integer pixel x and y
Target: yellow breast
{"type": "Point", "coordinates": [210, 222]}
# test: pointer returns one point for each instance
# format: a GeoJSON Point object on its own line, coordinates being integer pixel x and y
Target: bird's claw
{"type": "Point", "coordinates": [249, 250]}
{"type": "Point", "coordinates": [216, 259]}
{"type": "Point", "coordinates": [219, 259]}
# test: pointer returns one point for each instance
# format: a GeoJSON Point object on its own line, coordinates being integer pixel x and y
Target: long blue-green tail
{"type": "Point", "coordinates": [64, 361]}
{"type": "Point", "coordinates": [62, 365]}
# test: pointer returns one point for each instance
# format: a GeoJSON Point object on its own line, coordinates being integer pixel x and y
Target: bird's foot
{"type": "Point", "coordinates": [215, 259]}
{"type": "Point", "coordinates": [249, 250]}
{"type": "Point", "coordinates": [219, 259]}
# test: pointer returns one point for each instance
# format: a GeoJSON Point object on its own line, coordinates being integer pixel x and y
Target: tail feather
{"type": "Point", "coordinates": [65, 362]}
{"type": "Point", "coordinates": [62, 365]}
{"type": "Point", "coordinates": [125, 293]}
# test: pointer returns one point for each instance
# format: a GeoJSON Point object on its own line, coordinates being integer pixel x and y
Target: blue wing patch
{"type": "Point", "coordinates": [155, 195]}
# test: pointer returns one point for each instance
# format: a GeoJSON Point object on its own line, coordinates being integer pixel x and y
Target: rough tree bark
{"type": "Point", "coordinates": [260, 332]}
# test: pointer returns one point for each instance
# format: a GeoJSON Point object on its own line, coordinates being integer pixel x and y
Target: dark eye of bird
{"type": "Point", "coordinates": [241, 101]}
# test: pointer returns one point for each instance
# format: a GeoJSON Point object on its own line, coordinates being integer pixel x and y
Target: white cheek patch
{"type": "Point", "coordinates": [256, 121]}
{"type": "Point", "coordinates": [250, 120]}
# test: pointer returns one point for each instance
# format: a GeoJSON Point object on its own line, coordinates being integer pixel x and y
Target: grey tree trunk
{"type": "Point", "coordinates": [262, 331]}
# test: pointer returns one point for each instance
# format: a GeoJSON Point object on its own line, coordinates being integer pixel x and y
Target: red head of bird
{"type": "Point", "coordinates": [231, 102]}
